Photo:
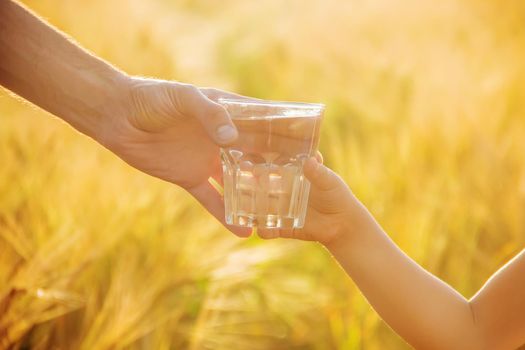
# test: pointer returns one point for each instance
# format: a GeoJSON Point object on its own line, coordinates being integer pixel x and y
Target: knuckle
{"type": "Point", "coordinates": [208, 92]}
{"type": "Point", "coordinates": [185, 97]}
{"type": "Point", "coordinates": [217, 114]}
{"type": "Point", "coordinates": [186, 93]}
{"type": "Point", "coordinates": [187, 90]}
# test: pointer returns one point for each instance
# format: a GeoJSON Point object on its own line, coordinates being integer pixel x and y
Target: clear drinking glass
{"type": "Point", "coordinates": [264, 185]}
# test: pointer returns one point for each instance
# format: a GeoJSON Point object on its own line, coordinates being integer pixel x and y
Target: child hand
{"type": "Point", "coordinates": [333, 210]}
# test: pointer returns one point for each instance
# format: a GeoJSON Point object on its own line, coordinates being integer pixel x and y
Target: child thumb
{"type": "Point", "coordinates": [319, 175]}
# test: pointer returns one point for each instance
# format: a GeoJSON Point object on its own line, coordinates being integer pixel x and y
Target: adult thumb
{"type": "Point", "coordinates": [213, 117]}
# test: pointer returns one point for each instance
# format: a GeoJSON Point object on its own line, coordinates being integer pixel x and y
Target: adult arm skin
{"type": "Point", "coordinates": [154, 125]}
{"type": "Point", "coordinates": [41, 65]}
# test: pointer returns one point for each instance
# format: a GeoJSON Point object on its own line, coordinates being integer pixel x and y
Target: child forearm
{"type": "Point", "coordinates": [424, 310]}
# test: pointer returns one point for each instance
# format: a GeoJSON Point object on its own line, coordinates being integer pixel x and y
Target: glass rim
{"type": "Point", "coordinates": [271, 103]}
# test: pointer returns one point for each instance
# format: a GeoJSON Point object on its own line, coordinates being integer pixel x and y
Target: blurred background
{"type": "Point", "coordinates": [425, 121]}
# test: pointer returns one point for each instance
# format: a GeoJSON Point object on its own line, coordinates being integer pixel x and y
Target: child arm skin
{"type": "Point", "coordinates": [425, 311]}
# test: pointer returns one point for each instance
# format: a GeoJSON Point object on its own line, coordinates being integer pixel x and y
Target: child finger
{"type": "Point", "coordinates": [268, 233]}
{"type": "Point", "coordinates": [319, 175]}
{"type": "Point", "coordinates": [286, 233]}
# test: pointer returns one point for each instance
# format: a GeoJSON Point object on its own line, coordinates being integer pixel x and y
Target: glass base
{"type": "Point", "coordinates": [264, 221]}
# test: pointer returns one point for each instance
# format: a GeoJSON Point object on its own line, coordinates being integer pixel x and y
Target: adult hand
{"type": "Point", "coordinates": [173, 131]}
{"type": "Point", "coordinates": [166, 129]}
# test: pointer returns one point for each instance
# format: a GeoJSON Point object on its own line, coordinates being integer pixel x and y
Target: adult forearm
{"type": "Point", "coordinates": [43, 66]}
{"type": "Point", "coordinates": [425, 311]}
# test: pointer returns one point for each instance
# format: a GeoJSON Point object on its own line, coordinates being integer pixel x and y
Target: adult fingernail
{"type": "Point", "coordinates": [226, 133]}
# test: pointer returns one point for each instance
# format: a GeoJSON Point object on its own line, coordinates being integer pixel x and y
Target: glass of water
{"type": "Point", "coordinates": [264, 185]}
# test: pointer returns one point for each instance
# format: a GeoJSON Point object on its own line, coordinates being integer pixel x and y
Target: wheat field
{"type": "Point", "coordinates": [425, 121]}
